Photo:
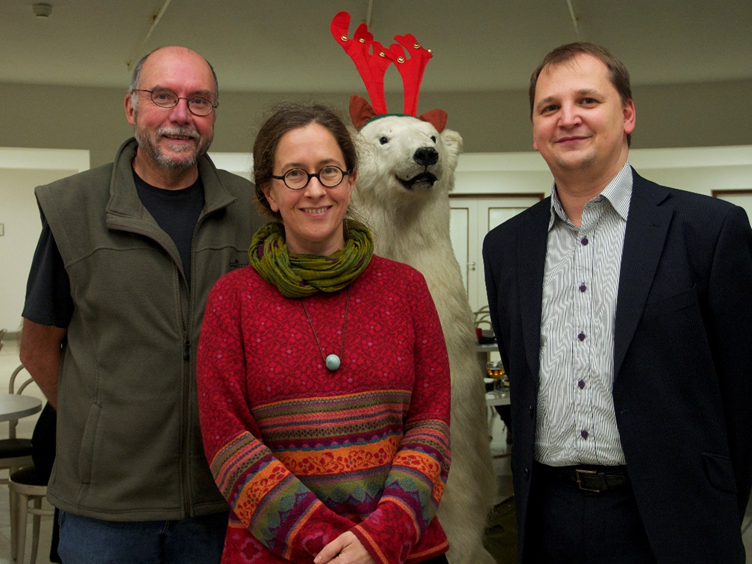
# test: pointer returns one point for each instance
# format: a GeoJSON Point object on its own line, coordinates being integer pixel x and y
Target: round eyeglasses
{"type": "Point", "coordinates": [165, 98]}
{"type": "Point", "coordinates": [297, 178]}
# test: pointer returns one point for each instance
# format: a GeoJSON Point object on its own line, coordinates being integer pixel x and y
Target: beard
{"type": "Point", "coordinates": [182, 157]}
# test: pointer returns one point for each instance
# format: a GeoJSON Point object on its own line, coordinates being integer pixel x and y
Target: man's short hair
{"type": "Point", "coordinates": [617, 71]}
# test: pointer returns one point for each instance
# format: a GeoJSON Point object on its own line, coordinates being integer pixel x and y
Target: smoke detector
{"type": "Point", "coordinates": [42, 10]}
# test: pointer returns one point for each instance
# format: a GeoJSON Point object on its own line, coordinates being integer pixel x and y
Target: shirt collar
{"type": "Point", "coordinates": [618, 193]}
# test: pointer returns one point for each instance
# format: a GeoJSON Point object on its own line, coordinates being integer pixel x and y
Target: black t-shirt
{"type": "Point", "coordinates": [48, 295]}
{"type": "Point", "coordinates": [176, 212]}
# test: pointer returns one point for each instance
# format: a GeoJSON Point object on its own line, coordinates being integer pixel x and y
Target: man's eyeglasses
{"type": "Point", "coordinates": [297, 178]}
{"type": "Point", "coordinates": [165, 98]}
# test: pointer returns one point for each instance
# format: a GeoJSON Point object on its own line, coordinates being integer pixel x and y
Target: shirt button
{"type": "Point", "coordinates": [584, 434]}
{"type": "Point", "coordinates": [581, 384]}
{"type": "Point", "coordinates": [583, 287]}
{"type": "Point", "coordinates": [581, 336]}
{"type": "Point", "coordinates": [584, 241]}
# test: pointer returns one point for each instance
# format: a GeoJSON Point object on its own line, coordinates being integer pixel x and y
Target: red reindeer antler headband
{"type": "Point", "coordinates": [372, 60]}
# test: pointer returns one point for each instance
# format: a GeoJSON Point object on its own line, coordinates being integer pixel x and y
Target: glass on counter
{"type": "Point", "coordinates": [495, 371]}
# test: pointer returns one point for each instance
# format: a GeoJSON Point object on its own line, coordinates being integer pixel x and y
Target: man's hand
{"type": "Point", "coordinates": [345, 549]}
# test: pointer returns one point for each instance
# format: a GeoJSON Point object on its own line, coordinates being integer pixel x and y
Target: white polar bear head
{"type": "Point", "coordinates": [405, 159]}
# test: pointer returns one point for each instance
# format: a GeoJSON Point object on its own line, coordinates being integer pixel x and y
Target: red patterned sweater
{"type": "Point", "coordinates": [303, 454]}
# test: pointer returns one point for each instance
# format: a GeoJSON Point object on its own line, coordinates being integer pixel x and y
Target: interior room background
{"type": "Point", "coordinates": [691, 66]}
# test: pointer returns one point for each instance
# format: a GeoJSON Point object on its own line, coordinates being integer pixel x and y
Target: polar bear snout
{"type": "Point", "coordinates": [426, 156]}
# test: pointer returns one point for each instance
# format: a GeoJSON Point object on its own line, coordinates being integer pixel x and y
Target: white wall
{"type": "Point", "coordinates": [486, 182]}
{"type": "Point", "coordinates": [237, 163]}
{"type": "Point", "coordinates": [21, 170]}
{"type": "Point", "coordinates": [489, 186]}
{"type": "Point", "coordinates": [483, 174]}
{"type": "Point", "coordinates": [698, 169]}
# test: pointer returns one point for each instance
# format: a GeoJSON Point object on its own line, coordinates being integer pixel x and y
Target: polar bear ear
{"type": "Point", "coordinates": [437, 118]}
{"type": "Point", "coordinates": [360, 111]}
{"type": "Point", "coordinates": [453, 144]}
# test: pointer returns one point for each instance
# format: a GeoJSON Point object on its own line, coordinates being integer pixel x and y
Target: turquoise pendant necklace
{"type": "Point", "coordinates": [332, 361]}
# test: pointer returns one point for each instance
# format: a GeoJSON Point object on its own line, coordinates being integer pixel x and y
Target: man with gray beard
{"type": "Point", "coordinates": [114, 304]}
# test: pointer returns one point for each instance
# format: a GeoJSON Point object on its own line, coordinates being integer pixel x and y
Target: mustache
{"type": "Point", "coordinates": [178, 131]}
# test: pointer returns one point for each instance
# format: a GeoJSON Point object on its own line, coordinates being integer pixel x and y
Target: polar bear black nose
{"type": "Point", "coordinates": [426, 156]}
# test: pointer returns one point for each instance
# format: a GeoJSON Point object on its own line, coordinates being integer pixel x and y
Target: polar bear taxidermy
{"type": "Point", "coordinates": [405, 173]}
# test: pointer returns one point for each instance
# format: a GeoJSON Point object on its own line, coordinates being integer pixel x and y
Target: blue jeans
{"type": "Point", "coordinates": [84, 540]}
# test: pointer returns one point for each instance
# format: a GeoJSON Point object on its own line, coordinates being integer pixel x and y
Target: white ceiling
{"type": "Point", "coordinates": [286, 46]}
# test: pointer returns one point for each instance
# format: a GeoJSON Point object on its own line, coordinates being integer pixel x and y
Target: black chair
{"type": "Point", "coordinates": [15, 453]}
{"type": "Point", "coordinates": [29, 485]}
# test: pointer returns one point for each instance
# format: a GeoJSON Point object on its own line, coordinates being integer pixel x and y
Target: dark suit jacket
{"type": "Point", "coordinates": [682, 363]}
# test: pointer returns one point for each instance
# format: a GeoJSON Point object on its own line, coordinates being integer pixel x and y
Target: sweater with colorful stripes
{"type": "Point", "coordinates": [303, 454]}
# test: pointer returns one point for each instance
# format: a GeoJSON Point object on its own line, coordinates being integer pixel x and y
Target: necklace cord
{"type": "Point", "coordinates": [315, 336]}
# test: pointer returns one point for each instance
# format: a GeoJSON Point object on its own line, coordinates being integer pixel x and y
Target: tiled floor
{"type": "Point", "coordinates": [9, 360]}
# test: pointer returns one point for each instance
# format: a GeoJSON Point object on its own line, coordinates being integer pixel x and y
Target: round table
{"type": "Point", "coordinates": [15, 406]}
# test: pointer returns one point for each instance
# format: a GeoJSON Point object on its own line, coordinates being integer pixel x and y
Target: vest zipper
{"type": "Point", "coordinates": [186, 346]}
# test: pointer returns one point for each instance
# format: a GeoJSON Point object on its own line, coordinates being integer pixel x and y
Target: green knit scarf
{"type": "Point", "coordinates": [298, 276]}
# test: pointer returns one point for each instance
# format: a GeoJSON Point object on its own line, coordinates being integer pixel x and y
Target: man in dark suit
{"type": "Point", "coordinates": [623, 314]}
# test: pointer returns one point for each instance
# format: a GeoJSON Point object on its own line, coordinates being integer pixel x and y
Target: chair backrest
{"type": "Point", "coordinates": [482, 316]}
{"type": "Point", "coordinates": [12, 389]}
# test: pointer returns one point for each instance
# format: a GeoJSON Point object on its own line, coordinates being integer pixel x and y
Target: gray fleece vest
{"type": "Point", "coordinates": [129, 445]}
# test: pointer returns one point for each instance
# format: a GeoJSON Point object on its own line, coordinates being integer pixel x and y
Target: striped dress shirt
{"type": "Point", "coordinates": [576, 421]}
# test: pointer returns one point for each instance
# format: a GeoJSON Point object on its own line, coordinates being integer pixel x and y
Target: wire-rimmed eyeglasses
{"type": "Point", "coordinates": [165, 98]}
{"type": "Point", "coordinates": [329, 176]}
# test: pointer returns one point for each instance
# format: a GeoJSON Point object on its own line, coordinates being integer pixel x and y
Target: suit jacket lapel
{"type": "Point", "coordinates": [647, 225]}
{"type": "Point", "coordinates": [532, 260]}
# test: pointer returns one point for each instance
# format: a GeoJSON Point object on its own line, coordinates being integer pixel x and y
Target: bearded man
{"type": "Point", "coordinates": [114, 304]}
